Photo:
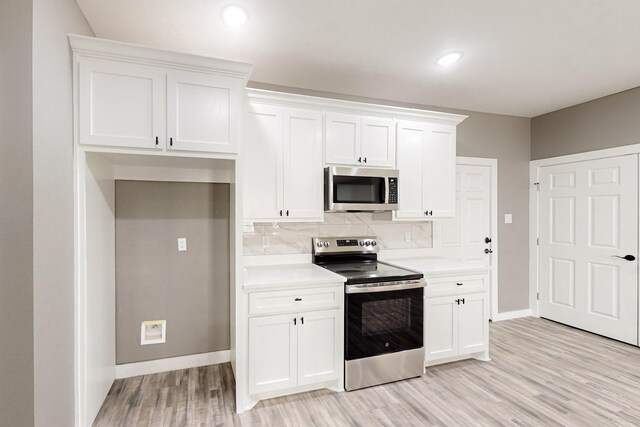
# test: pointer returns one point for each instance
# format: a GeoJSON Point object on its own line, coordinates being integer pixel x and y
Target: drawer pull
{"type": "Point", "coordinates": [459, 284]}
{"type": "Point", "coordinates": [298, 299]}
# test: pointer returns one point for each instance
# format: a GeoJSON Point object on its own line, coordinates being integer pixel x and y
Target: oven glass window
{"type": "Point", "coordinates": [386, 316]}
{"type": "Point", "coordinates": [358, 189]}
{"type": "Point", "coordinates": [383, 322]}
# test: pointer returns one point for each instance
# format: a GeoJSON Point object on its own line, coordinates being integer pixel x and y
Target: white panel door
{"type": "Point", "coordinates": [303, 173]}
{"type": "Point", "coordinates": [319, 351]}
{"type": "Point", "coordinates": [588, 217]}
{"type": "Point", "coordinates": [262, 163]}
{"type": "Point", "coordinates": [343, 139]}
{"type": "Point", "coordinates": [202, 112]}
{"type": "Point", "coordinates": [473, 323]}
{"type": "Point", "coordinates": [439, 171]}
{"type": "Point", "coordinates": [378, 142]}
{"type": "Point", "coordinates": [463, 237]}
{"type": "Point", "coordinates": [440, 328]}
{"type": "Point", "coordinates": [410, 142]}
{"type": "Point", "coordinates": [121, 104]}
{"type": "Point", "coordinates": [272, 353]}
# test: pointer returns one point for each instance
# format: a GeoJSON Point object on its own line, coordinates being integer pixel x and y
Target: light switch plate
{"type": "Point", "coordinates": [182, 244]}
{"type": "Point", "coordinates": [508, 218]}
{"type": "Point", "coordinates": [407, 236]}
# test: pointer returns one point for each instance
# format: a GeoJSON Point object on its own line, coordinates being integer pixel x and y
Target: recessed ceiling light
{"type": "Point", "coordinates": [449, 58]}
{"type": "Point", "coordinates": [234, 15]}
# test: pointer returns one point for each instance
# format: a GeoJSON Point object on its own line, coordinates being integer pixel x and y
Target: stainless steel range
{"type": "Point", "coordinates": [384, 312]}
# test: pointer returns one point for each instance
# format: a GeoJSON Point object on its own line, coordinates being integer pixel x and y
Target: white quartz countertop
{"type": "Point", "coordinates": [432, 266]}
{"type": "Point", "coordinates": [285, 276]}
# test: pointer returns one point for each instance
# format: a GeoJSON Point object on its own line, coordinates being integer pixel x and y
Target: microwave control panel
{"type": "Point", "coordinates": [393, 190]}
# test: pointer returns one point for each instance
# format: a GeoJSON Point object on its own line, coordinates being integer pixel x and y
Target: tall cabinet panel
{"type": "Point", "coordinates": [343, 139]}
{"type": "Point", "coordinates": [411, 136]}
{"type": "Point", "coordinates": [303, 176]}
{"type": "Point", "coordinates": [378, 142]}
{"type": "Point", "coordinates": [262, 162]}
{"type": "Point", "coordinates": [120, 104]}
{"type": "Point", "coordinates": [439, 171]}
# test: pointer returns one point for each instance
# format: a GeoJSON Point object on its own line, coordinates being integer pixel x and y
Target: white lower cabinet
{"type": "Point", "coordinates": [291, 352]}
{"type": "Point", "coordinates": [456, 325]}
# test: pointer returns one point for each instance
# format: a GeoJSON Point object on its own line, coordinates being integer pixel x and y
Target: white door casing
{"type": "Point", "coordinates": [588, 215]}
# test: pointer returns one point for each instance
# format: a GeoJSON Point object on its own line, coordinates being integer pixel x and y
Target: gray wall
{"type": "Point", "coordinates": [154, 281]}
{"type": "Point", "coordinates": [53, 209]}
{"type": "Point", "coordinates": [16, 215]}
{"type": "Point", "coordinates": [508, 139]}
{"type": "Point", "coordinates": [606, 122]}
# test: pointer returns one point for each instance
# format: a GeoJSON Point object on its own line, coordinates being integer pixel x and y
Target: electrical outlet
{"type": "Point", "coordinates": [407, 236]}
{"type": "Point", "coordinates": [265, 242]}
{"type": "Point", "coordinates": [508, 218]}
{"type": "Point", "coordinates": [153, 332]}
{"type": "Point", "coordinates": [182, 244]}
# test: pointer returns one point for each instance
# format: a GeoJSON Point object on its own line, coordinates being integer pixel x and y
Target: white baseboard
{"type": "Point", "coordinates": [508, 315]}
{"type": "Point", "coordinates": [171, 364]}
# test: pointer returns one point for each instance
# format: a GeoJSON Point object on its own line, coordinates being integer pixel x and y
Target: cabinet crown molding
{"type": "Point", "coordinates": [109, 49]}
{"type": "Point", "coordinates": [286, 99]}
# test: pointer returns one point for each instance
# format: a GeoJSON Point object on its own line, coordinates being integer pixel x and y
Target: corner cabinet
{"type": "Point", "coordinates": [356, 140]}
{"type": "Point", "coordinates": [129, 96]}
{"type": "Point", "coordinates": [298, 347]}
{"type": "Point", "coordinates": [282, 164]}
{"type": "Point", "coordinates": [427, 164]}
{"type": "Point", "coordinates": [456, 318]}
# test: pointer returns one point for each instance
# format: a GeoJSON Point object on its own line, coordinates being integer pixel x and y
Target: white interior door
{"type": "Point", "coordinates": [588, 215]}
{"type": "Point", "coordinates": [465, 236]}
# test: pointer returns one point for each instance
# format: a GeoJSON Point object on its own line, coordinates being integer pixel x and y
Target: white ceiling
{"type": "Point", "coordinates": [521, 57]}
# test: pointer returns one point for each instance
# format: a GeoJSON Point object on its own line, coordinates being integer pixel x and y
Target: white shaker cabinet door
{"type": "Point", "coordinates": [319, 346]}
{"type": "Point", "coordinates": [262, 163]}
{"type": "Point", "coordinates": [473, 323]}
{"type": "Point", "coordinates": [439, 171]}
{"type": "Point", "coordinates": [202, 112]}
{"type": "Point", "coordinates": [378, 142]}
{"type": "Point", "coordinates": [303, 173]}
{"type": "Point", "coordinates": [120, 104]}
{"type": "Point", "coordinates": [272, 353]}
{"type": "Point", "coordinates": [411, 137]}
{"type": "Point", "coordinates": [441, 328]}
{"type": "Point", "coordinates": [343, 139]}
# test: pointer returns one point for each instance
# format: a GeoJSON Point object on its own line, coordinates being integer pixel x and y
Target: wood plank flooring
{"type": "Point", "coordinates": [541, 374]}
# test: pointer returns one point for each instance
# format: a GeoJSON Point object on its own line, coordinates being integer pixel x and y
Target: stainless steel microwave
{"type": "Point", "coordinates": [360, 189]}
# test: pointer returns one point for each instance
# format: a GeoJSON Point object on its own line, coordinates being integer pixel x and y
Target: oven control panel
{"type": "Point", "coordinates": [345, 245]}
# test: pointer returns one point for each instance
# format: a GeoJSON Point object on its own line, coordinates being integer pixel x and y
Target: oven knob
{"type": "Point", "coordinates": [373, 243]}
{"type": "Point", "coordinates": [326, 244]}
{"type": "Point", "coordinates": [368, 243]}
{"type": "Point", "coordinates": [361, 242]}
{"type": "Point", "coordinates": [319, 244]}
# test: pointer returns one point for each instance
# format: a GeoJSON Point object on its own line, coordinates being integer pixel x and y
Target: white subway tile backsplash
{"type": "Point", "coordinates": [295, 238]}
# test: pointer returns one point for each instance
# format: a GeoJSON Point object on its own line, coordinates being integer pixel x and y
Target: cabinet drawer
{"type": "Point", "coordinates": [294, 300]}
{"type": "Point", "coordinates": [456, 285]}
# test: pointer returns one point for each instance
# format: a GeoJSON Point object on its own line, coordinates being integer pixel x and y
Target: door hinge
{"type": "Point", "coordinates": [538, 296]}
{"type": "Point", "coordinates": [537, 241]}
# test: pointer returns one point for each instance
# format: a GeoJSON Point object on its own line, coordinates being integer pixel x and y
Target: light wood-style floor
{"type": "Point", "coordinates": [541, 374]}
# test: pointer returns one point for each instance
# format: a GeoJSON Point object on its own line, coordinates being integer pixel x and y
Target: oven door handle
{"type": "Point", "coordinates": [362, 289]}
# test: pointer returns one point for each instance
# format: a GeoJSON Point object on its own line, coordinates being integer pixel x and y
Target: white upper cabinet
{"type": "Point", "coordinates": [121, 104]}
{"type": "Point", "coordinates": [201, 112]}
{"type": "Point", "coordinates": [282, 157]}
{"type": "Point", "coordinates": [359, 140]}
{"type": "Point", "coordinates": [129, 96]}
{"type": "Point", "coordinates": [426, 161]}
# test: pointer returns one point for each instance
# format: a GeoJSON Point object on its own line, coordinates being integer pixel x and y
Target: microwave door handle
{"type": "Point", "coordinates": [386, 191]}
